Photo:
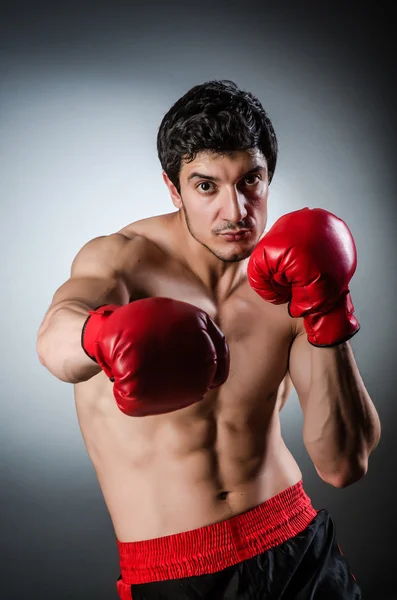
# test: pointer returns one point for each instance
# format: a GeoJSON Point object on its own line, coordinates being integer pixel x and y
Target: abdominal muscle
{"type": "Point", "coordinates": [165, 474]}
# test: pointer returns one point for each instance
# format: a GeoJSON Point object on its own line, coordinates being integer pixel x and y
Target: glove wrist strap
{"type": "Point", "coordinates": [92, 326]}
{"type": "Point", "coordinates": [333, 327]}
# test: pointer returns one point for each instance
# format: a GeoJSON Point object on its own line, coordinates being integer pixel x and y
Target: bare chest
{"type": "Point", "coordinates": [258, 334]}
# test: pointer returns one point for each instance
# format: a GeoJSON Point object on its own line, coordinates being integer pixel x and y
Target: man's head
{"type": "Point", "coordinates": [218, 151]}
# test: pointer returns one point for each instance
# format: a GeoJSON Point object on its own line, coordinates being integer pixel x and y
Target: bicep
{"type": "Point", "coordinates": [96, 279]}
{"type": "Point", "coordinates": [92, 291]}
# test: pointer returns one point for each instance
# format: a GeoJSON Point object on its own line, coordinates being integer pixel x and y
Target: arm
{"type": "Point", "coordinates": [307, 260]}
{"type": "Point", "coordinates": [142, 346]}
{"type": "Point", "coordinates": [97, 278]}
{"type": "Point", "coordinates": [341, 425]}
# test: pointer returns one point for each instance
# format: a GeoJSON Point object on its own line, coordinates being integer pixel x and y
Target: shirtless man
{"type": "Point", "coordinates": [183, 334]}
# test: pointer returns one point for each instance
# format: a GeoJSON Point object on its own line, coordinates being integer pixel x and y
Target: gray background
{"type": "Point", "coordinates": [82, 94]}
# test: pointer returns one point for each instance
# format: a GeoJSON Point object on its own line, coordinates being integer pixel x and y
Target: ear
{"type": "Point", "coordinates": [175, 196]}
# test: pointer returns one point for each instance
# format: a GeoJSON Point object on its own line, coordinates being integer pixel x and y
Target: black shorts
{"type": "Point", "coordinates": [222, 561]}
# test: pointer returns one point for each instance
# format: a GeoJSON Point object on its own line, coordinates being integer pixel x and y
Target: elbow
{"type": "Point", "coordinates": [346, 476]}
{"type": "Point", "coordinates": [44, 355]}
{"type": "Point", "coordinates": [40, 351]}
{"type": "Point", "coordinates": [344, 482]}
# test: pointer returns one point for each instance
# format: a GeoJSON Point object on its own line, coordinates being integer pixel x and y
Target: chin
{"type": "Point", "coordinates": [233, 255]}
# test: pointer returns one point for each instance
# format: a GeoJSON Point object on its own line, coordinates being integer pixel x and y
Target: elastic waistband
{"type": "Point", "coordinates": [215, 547]}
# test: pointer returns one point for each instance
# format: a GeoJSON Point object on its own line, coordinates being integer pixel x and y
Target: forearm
{"type": "Point", "coordinates": [59, 344]}
{"type": "Point", "coordinates": [341, 424]}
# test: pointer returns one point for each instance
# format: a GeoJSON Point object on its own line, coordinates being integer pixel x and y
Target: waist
{"type": "Point", "coordinates": [215, 547]}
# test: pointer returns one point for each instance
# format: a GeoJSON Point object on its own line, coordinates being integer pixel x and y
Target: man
{"type": "Point", "coordinates": [183, 334]}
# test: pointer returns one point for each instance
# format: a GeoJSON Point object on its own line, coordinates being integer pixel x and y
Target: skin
{"type": "Point", "coordinates": [224, 455]}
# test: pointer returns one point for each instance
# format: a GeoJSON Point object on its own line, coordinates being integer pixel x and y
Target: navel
{"type": "Point", "coordinates": [223, 495]}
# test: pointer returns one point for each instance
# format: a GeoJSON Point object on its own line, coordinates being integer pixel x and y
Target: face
{"type": "Point", "coordinates": [224, 201]}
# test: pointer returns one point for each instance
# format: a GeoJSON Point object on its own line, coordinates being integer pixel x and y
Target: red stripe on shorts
{"type": "Point", "coordinates": [215, 547]}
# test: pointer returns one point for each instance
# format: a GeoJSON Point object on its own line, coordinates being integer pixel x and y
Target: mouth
{"type": "Point", "coordinates": [236, 236]}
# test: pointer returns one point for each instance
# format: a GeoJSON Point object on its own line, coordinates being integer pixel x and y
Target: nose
{"type": "Point", "coordinates": [234, 209]}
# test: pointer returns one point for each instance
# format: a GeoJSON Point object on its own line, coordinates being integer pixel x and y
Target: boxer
{"type": "Point", "coordinates": [183, 335]}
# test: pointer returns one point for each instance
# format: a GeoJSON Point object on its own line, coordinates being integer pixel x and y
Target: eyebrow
{"type": "Point", "coordinates": [196, 175]}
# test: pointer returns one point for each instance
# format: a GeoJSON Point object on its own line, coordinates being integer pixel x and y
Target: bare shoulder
{"type": "Point", "coordinates": [160, 230]}
{"type": "Point", "coordinates": [280, 314]}
{"type": "Point", "coordinates": [104, 252]}
{"type": "Point", "coordinates": [276, 316]}
{"type": "Point", "coordinates": [139, 244]}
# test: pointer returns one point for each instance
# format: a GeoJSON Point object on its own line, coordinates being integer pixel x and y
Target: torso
{"type": "Point", "coordinates": [217, 458]}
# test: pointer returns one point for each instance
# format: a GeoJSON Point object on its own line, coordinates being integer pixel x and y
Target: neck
{"type": "Point", "coordinates": [219, 278]}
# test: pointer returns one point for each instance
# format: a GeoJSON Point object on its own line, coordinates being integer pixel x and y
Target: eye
{"type": "Point", "coordinates": [251, 180]}
{"type": "Point", "coordinates": [205, 183]}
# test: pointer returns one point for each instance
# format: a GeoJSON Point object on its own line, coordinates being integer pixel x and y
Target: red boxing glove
{"type": "Point", "coordinates": [307, 259]}
{"type": "Point", "coordinates": [160, 353]}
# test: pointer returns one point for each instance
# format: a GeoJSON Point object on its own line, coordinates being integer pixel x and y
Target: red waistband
{"type": "Point", "coordinates": [215, 547]}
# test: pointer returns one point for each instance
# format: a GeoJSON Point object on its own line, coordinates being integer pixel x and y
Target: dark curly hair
{"type": "Point", "coordinates": [215, 116]}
